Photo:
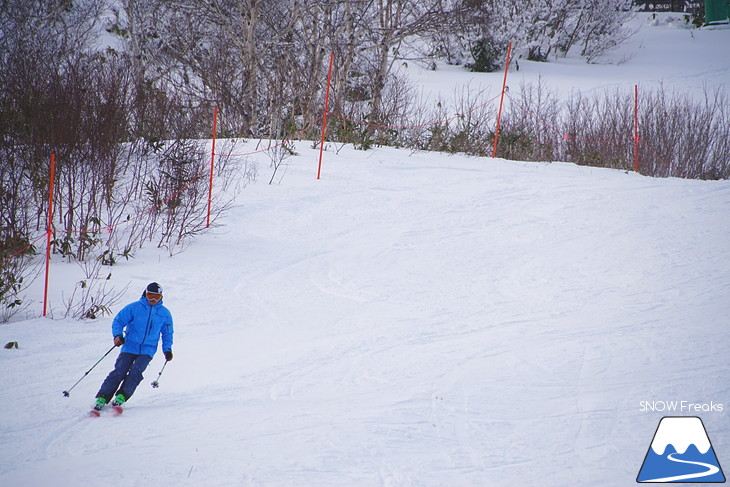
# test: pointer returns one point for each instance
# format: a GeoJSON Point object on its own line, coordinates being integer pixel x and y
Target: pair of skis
{"type": "Point", "coordinates": [117, 410]}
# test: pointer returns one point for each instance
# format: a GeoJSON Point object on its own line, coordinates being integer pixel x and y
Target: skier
{"type": "Point", "coordinates": [137, 328]}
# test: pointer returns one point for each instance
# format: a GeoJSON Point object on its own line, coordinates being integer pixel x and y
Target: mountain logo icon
{"type": "Point", "coordinates": [680, 452]}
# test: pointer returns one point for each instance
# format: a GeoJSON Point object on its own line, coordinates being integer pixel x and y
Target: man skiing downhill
{"type": "Point", "coordinates": [137, 328]}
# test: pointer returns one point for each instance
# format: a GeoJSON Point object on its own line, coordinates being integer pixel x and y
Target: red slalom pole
{"type": "Point", "coordinates": [501, 101]}
{"type": "Point", "coordinates": [49, 230]}
{"type": "Point", "coordinates": [636, 128]}
{"type": "Point", "coordinates": [212, 160]}
{"type": "Point", "coordinates": [324, 119]}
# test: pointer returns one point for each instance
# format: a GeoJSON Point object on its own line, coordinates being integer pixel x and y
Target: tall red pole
{"type": "Point", "coordinates": [636, 128]}
{"type": "Point", "coordinates": [324, 119]}
{"type": "Point", "coordinates": [501, 101]}
{"type": "Point", "coordinates": [49, 230]}
{"type": "Point", "coordinates": [212, 160]}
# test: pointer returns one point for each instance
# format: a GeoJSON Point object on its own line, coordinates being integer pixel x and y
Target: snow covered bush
{"type": "Point", "coordinates": [487, 56]}
{"type": "Point", "coordinates": [602, 26]}
{"type": "Point", "coordinates": [538, 29]}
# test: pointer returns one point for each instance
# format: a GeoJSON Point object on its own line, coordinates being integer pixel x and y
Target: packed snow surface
{"type": "Point", "coordinates": [409, 319]}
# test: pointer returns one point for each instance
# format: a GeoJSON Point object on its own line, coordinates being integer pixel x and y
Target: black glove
{"type": "Point", "coordinates": [118, 341]}
{"type": "Point", "coordinates": [168, 355]}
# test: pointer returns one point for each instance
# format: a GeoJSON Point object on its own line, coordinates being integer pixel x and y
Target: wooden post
{"type": "Point", "coordinates": [324, 118]}
{"type": "Point", "coordinates": [501, 101]}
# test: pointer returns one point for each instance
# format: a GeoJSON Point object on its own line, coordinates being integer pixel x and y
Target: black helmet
{"type": "Point", "coordinates": [153, 288]}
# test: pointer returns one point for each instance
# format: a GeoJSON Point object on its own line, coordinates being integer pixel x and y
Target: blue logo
{"type": "Point", "coordinates": [681, 452]}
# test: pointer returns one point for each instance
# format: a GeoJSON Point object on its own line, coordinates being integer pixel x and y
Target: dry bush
{"type": "Point", "coordinates": [527, 130]}
{"type": "Point", "coordinates": [91, 299]}
{"type": "Point", "coordinates": [681, 137]}
{"type": "Point", "coordinates": [599, 130]}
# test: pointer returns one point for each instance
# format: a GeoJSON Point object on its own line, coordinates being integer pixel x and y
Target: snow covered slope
{"type": "Point", "coordinates": [407, 320]}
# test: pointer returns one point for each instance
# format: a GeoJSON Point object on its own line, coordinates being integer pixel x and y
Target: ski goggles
{"type": "Point", "coordinates": [154, 296]}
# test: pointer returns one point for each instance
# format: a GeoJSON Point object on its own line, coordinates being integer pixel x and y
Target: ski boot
{"type": "Point", "coordinates": [100, 403]}
{"type": "Point", "coordinates": [119, 399]}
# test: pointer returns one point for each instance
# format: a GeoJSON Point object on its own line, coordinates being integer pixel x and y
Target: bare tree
{"type": "Point", "coordinates": [392, 22]}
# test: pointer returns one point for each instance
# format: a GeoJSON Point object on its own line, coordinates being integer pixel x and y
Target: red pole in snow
{"type": "Point", "coordinates": [212, 159]}
{"type": "Point", "coordinates": [49, 230]}
{"type": "Point", "coordinates": [501, 100]}
{"type": "Point", "coordinates": [636, 128]}
{"type": "Point", "coordinates": [324, 119]}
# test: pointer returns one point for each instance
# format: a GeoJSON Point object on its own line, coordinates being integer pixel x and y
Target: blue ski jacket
{"type": "Point", "coordinates": [141, 325]}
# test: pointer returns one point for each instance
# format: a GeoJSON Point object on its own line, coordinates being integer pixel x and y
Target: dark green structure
{"type": "Point", "coordinates": [717, 12]}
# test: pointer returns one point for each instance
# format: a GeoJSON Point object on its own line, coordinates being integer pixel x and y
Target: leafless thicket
{"type": "Point", "coordinates": [678, 136]}
{"type": "Point", "coordinates": [686, 138]}
{"type": "Point", "coordinates": [128, 168]}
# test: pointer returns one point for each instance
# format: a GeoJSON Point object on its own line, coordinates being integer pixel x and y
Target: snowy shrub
{"type": "Point", "coordinates": [487, 56]}
{"type": "Point", "coordinates": [538, 29]}
{"type": "Point", "coordinates": [603, 26]}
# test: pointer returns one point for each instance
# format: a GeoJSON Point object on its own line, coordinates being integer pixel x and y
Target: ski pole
{"type": "Point", "coordinates": [155, 383]}
{"type": "Point", "coordinates": [66, 393]}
